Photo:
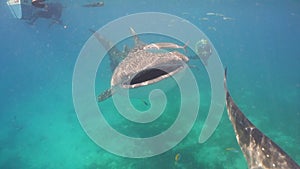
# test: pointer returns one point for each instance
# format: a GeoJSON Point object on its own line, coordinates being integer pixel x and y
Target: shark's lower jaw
{"type": "Point", "coordinates": [152, 75]}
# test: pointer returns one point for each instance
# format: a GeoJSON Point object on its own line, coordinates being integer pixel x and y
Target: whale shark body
{"type": "Point", "coordinates": [259, 150]}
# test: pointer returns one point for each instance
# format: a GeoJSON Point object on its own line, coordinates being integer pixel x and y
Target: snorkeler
{"type": "Point", "coordinates": [38, 3]}
{"type": "Point", "coordinates": [203, 50]}
{"type": "Point", "coordinates": [48, 11]}
{"type": "Point", "coordinates": [95, 4]}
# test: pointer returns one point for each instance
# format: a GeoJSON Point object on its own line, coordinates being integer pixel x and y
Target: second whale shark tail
{"type": "Point", "coordinates": [259, 150]}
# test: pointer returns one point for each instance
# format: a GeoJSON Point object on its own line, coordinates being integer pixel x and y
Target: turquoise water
{"type": "Point", "coordinates": [39, 126]}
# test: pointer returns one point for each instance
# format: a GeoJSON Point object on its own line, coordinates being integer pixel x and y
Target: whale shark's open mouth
{"type": "Point", "coordinates": [152, 75]}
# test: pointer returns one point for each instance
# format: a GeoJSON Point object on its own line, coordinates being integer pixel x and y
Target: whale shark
{"type": "Point", "coordinates": [258, 149]}
{"type": "Point", "coordinates": [142, 66]}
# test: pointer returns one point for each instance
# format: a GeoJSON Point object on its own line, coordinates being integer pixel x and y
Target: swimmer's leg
{"type": "Point", "coordinates": [33, 19]}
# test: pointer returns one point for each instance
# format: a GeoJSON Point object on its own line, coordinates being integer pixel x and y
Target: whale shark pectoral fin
{"type": "Point", "coordinates": [105, 95]}
{"type": "Point", "coordinates": [104, 42]}
{"type": "Point", "coordinates": [115, 55]}
{"type": "Point", "coordinates": [259, 150]}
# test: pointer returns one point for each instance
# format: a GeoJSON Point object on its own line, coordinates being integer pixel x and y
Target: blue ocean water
{"type": "Point", "coordinates": [39, 126]}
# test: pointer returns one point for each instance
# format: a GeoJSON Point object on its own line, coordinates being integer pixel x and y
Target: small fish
{"type": "Point", "coordinates": [210, 13]}
{"type": "Point", "coordinates": [212, 28]}
{"type": "Point", "coordinates": [177, 157]}
{"type": "Point", "coordinates": [219, 14]}
{"type": "Point", "coordinates": [232, 149]}
{"type": "Point", "coordinates": [227, 18]}
{"type": "Point", "coordinates": [204, 19]}
{"type": "Point", "coordinates": [164, 45]}
{"type": "Point", "coordinates": [95, 4]}
{"type": "Point", "coordinates": [145, 103]}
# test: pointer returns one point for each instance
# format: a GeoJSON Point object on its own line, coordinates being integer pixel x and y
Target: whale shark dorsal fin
{"type": "Point", "coordinates": [137, 41]}
{"type": "Point", "coordinates": [259, 150]}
